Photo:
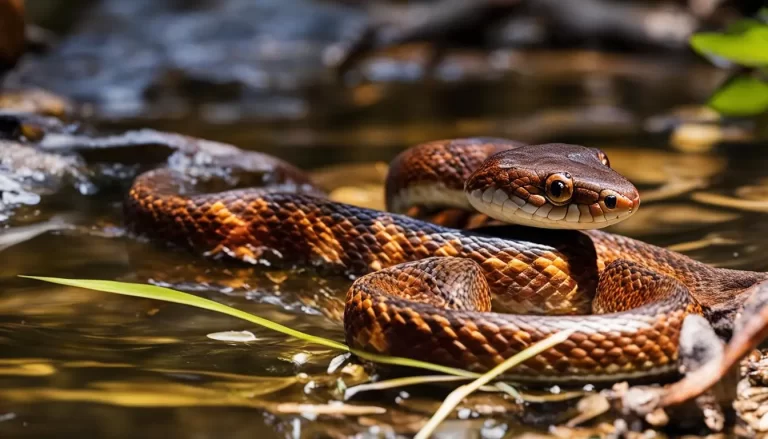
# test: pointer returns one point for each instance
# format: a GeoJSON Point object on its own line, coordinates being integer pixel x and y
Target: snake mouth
{"type": "Point", "coordinates": [541, 213]}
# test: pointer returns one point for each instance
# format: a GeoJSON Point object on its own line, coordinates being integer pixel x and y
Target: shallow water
{"type": "Point", "coordinates": [77, 363]}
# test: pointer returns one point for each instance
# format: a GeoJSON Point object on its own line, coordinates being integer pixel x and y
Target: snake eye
{"type": "Point", "coordinates": [610, 201]}
{"type": "Point", "coordinates": [559, 188]}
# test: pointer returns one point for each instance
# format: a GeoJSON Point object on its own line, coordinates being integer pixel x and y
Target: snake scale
{"type": "Point", "coordinates": [466, 297]}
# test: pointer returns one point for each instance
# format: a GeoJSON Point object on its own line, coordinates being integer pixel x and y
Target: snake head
{"type": "Point", "coordinates": [556, 186]}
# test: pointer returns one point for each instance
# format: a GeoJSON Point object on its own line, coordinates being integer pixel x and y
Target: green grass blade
{"type": "Point", "coordinates": [407, 362]}
{"type": "Point", "coordinates": [401, 382]}
{"type": "Point", "coordinates": [452, 400]}
{"type": "Point", "coordinates": [397, 383]}
{"type": "Point", "coordinates": [170, 295]}
{"type": "Point", "coordinates": [509, 390]}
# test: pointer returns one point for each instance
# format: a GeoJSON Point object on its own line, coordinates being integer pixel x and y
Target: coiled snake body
{"type": "Point", "coordinates": [459, 297]}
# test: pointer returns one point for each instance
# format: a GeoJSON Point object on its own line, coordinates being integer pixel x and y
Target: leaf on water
{"type": "Point", "coordinates": [337, 362]}
{"type": "Point", "coordinates": [747, 44]}
{"type": "Point", "coordinates": [233, 336]}
{"type": "Point", "coordinates": [741, 96]}
{"type": "Point", "coordinates": [452, 400]}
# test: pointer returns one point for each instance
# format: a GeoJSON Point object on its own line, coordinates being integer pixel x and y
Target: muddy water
{"type": "Point", "coordinates": [77, 363]}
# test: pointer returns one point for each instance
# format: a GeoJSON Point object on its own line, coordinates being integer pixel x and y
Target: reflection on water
{"type": "Point", "coordinates": [88, 364]}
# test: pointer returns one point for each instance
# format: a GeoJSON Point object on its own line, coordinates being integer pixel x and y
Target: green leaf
{"type": "Point", "coordinates": [169, 295]}
{"type": "Point", "coordinates": [748, 47]}
{"type": "Point", "coordinates": [741, 96]}
{"type": "Point", "coordinates": [743, 25]}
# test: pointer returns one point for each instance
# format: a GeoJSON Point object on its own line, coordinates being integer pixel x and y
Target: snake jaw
{"type": "Point", "coordinates": [500, 205]}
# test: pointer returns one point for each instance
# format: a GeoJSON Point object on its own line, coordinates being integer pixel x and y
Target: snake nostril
{"type": "Point", "coordinates": [610, 201]}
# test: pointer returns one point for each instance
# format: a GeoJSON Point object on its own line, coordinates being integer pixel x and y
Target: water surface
{"type": "Point", "coordinates": [78, 363]}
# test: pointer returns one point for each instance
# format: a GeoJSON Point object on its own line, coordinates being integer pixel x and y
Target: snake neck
{"type": "Point", "coordinates": [720, 292]}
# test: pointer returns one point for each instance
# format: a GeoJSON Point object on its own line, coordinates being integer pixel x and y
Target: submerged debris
{"type": "Point", "coordinates": [752, 400]}
{"type": "Point", "coordinates": [42, 155]}
{"type": "Point", "coordinates": [27, 174]}
{"type": "Point", "coordinates": [19, 234]}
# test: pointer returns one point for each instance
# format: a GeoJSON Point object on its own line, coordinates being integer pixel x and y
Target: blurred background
{"type": "Point", "coordinates": [673, 90]}
{"type": "Point", "coordinates": [362, 76]}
